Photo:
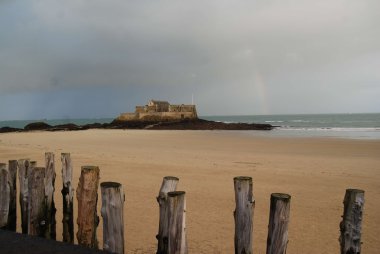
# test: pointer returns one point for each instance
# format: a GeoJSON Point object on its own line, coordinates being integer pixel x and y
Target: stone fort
{"type": "Point", "coordinates": [160, 111]}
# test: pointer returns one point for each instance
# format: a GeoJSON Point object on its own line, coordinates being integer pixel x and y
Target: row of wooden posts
{"type": "Point", "coordinates": [38, 210]}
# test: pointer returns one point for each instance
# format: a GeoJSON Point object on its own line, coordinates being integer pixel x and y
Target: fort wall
{"type": "Point", "coordinates": [160, 111]}
{"type": "Point", "coordinates": [139, 109]}
{"type": "Point", "coordinates": [127, 117]}
{"type": "Point", "coordinates": [166, 116]}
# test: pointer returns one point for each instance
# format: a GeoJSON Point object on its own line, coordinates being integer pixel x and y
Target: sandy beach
{"type": "Point", "coordinates": [314, 171]}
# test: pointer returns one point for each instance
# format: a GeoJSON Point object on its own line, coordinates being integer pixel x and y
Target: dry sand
{"type": "Point", "coordinates": [315, 171]}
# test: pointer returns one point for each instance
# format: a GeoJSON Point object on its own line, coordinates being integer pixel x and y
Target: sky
{"type": "Point", "coordinates": [96, 58]}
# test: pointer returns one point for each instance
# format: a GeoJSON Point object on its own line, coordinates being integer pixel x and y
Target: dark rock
{"type": "Point", "coordinates": [9, 129]}
{"type": "Point", "coordinates": [92, 126]}
{"type": "Point", "coordinates": [200, 124]}
{"type": "Point", "coordinates": [117, 124]}
{"type": "Point", "coordinates": [186, 124]}
{"type": "Point", "coordinates": [65, 127]}
{"type": "Point", "coordinates": [37, 126]}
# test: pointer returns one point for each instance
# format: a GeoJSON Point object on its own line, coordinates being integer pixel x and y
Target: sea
{"type": "Point", "coordinates": [353, 126]}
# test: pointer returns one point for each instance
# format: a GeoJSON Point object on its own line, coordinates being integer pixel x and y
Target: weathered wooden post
{"type": "Point", "coordinates": [177, 241]}
{"type": "Point", "coordinates": [67, 195]}
{"type": "Point", "coordinates": [87, 195]}
{"type": "Point", "coordinates": [37, 202]}
{"type": "Point", "coordinates": [49, 193]}
{"type": "Point", "coordinates": [32, 164]}
{"type": "Point", "coordinates": [278, 223]}
{"type": "Point", "coordinates": [12, 215]}
{"type": "Point", "coordinates": [23, 172]}
{"type": "Point", "coordinates": [4, 196]}
{"type": "Point", "coordinates": [243, 214]}
{"type": "Point", "coordinates": [351, 224]}
{"type": "Point", "coordinates": [169, 184]}
{"type": "Point", "coordinates": [112, 212]}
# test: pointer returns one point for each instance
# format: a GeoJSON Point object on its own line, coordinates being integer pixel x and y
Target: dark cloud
{"type": "Point", "coordinates": [246, 57]}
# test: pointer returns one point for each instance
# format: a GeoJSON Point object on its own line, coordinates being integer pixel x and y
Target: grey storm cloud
{"type": "Point", "coordinates": [251, 57]}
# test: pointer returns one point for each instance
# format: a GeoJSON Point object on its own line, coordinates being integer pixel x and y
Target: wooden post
{"type": "Point", "coordinates": [169, 183]}
{"type": "Point", "coordinates": [87, 195]}
{"type": "Point", "coordinates": [243, 214]}
{"type": "Point", "coordinates": [12, 216]}
{"type": "Point", "coordinates": [37, 202]}
{"type": "Point", "coordinates": [32, 164]}
{"type": "Point", "coordinates": [49, 193]}
{"type": "Point", "coordinates": [278, 223]}
{"type": "Point", "coordinates": [177, 242]}
{"type": "Point", "coordinates": [23, 172]}
{"type": "Point", "coordinates": [4, 196]}
{"type": "Point", "coordinates": [351, 224]}
{"type": "Point", "coordinates": [112, 212]}
{"type": "Point", "coordinates": [67, 195]}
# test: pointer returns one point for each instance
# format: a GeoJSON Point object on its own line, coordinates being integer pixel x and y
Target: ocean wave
{"type": "Point", "coordinates": [340, 129]}
{"type": "Point", "coordinates": [299, 121]}
{"type": "Point", "coordinates": [273, 121]}
{"type": "Point", "coordinates": [227, 122]}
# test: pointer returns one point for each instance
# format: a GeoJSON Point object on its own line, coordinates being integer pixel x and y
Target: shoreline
{"type": "Point", "coordinates": [276, 132]}
{"type": "Point", "coordinates": [355, 133]}
{"type": "Point", "coordinates": [364, 126]}
{"type": "Point", "coordinates": [314, 171]}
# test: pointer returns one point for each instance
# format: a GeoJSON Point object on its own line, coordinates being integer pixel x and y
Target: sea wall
{"type": "Point", "coordinates": [167, 115]}
{"type": "Point", "coordinates": [156, 116]}
{"type": "Point", "coordinates": [182, 108]}
{"type": "Point", "coordinates": [128, 116]}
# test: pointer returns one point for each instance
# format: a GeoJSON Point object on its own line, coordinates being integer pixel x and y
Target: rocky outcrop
{"type": "Point", "coordinates": [186, 124]}
{"type": "Point", "coordinates": [9, 129]}
{"type": "Point", "coordinates": [200, 124]}
{"type": "Point", "coordinates": [65, 127]}
{"type": "Point", "coordinates": [37, 126]}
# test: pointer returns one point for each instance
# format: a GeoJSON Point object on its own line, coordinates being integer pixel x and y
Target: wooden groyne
{"type": "Point", "coordinates": [37, 216]}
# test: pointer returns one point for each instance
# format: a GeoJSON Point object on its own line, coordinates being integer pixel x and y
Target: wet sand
{"type": "Point", "coordinates": [314, 171]}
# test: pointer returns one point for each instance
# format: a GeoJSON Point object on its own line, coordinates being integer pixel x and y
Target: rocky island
{"type": "Point", "coordinates": [156, 115]}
